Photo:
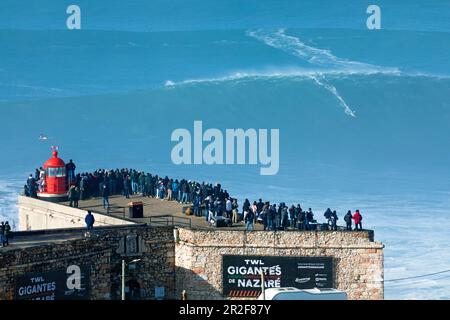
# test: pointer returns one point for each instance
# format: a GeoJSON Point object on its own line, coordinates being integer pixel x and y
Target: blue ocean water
{"type": "Point", "coordinates": [363, 115]}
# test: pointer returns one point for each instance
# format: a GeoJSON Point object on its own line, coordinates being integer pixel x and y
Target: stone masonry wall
{"type": "Point", "coordinates": [46, 258]}
{"type": "Point", "coordinates": [192, 260]}
{"type": "Point", "coordinates": [103, 253]}
{"type": "Point", "coordinates": [358, 262]}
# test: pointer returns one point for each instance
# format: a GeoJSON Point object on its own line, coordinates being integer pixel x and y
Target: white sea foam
{"type": "Point", "coordinates": [9, 190]}
{"type": "Point", "coordinates": [280, 74]}
{"type": "Point", "coordinates": [31, 87]}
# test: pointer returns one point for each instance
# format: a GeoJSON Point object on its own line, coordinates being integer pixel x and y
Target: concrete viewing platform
{"type": "Point", "coordinates": [47, 223]}
{"type": "Point", "coordinates": [156, 212]}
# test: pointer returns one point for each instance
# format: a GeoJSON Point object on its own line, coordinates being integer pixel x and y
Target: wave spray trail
{"type": "Point", "coordinates": [321, 58]}
{"type": "Point", "coordinates": [334, 91]}
{"type": "Point", "coordinates": [320, 64]}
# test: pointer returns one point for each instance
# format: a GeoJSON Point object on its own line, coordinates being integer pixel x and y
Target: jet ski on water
{"type": "Point", "coordinates": [43, 137]}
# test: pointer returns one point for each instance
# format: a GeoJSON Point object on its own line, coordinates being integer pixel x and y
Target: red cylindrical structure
{"type": "Point", "coordinates": [55, 188]}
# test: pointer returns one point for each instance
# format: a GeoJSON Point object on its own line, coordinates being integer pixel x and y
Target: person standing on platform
{"type": "Point", "coordinates": [327, 216]}
{"type": "Point", "coordinates": [175, 190]}
{"type": "Point", "coordinates": [105, 196]}
{"type": "Point", "coordinates": [90, 220]}
{"type": "Point", "coordinates": [70, 168]}
{"type": "Point", "coordinates": [357, 218]}
{"type": "Point", "coordinates": [309, 217]}
{"type": "Point", "coordinates": [234, 207]}
{"type": "Point", "coordinates": [83, 187]}
{"type": "Point", "coordinates": [228, 208]}
{"type": "Point", "coordinates": [127, 187]}
{"type": "Point", "coordinates": [71, 195]}
{"type": "Point", "coordinates": [134, 182]}
{"type": "Point", "coordinates": [7, 232]}
{"type": "Point", "coordinates": [334, 218]}
{"type": "Point", "coordinates": [265, 216]}
{"type": "Point", "coordinates": [31, 184]}
{"type": "Point", "coordinates": [348, 220]}
{"type": "Point", "coordinates": [249, 217]}
{"type": "Point", "coordinates": [245, 208]}
{"type": "Point", "coordinates": [197, 204]}
{"type": "Point", "coordinates": [2, 234]}
{"type": "Point", "coordinates": [77, 197]}
{"type": "Point", "coordinates": [142, 183]}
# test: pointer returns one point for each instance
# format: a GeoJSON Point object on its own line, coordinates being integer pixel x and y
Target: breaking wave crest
{"type": "Point", "coordinates": [315, 56]}
{"type": "Point", "coordinates": [321, 58]}
{"type": "Point", "coordinates": [322, 67]}
{"type": "Point", "coordinates": [323, 63]}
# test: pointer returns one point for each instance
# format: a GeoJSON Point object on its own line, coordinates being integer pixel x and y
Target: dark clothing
{"type": "Point", "coordinates": [259, 207]}
{"type": "Point", "coordinates": [31, 184]}
{"type": "Point", "coordinates": [348, 221]}
{"type": "Point", "coordinates": [70, 166]}
{"type": "Point", "coordinates": [105, 196]}
{"type": "Point", "coordinates": [334, 218]}
{"type": "Point", "coordinates": [73, 196]}
{"type": "Point", "coordinates": [26, 193]}
{"type": "Point", "coordinates": [265, 216]}
{"type": "Point", "coordinates": [301, 220]}
{"type": "Point", "coordinates": [246, 206]}
{"type": "Point", "coordinates": [328, 214]}
{"type": "Point", "coordinates": [83, 188]}
{"type": "Point", "coordinates": [2, 235]}
{"type": "Point", "coordinates": [89, 221]}
{"type": "Point", "coordinates": [250, 216]}
{"type": "Point", "coordinates": [105, 191]}
{"type": "Point", "coordinates": [126, 188]}
{"type": "Point", "coordinates": [7, 233]}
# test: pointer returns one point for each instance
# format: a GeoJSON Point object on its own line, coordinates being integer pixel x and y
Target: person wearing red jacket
{"type": "Point", "coordinates": [357, 218]}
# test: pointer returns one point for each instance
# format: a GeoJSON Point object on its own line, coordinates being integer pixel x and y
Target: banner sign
{"type": "Point", "coordinates": [242, 274]}
{"type": "Point", "coordinates": [71, 283]}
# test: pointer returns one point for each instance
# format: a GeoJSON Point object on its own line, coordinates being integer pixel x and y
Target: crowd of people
{"type": "Point", "coordinates": [207, 200]}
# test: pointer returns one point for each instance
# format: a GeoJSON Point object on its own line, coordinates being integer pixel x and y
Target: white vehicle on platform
{"type": "Point", "coordinates": [305, 294]}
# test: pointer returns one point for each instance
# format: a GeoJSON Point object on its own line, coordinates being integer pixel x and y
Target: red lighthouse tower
{"type": "Point", "coordinates": [55, 187]}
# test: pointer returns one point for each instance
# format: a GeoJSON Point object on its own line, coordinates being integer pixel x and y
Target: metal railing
{"type": "Point", "coordinates": [117, 210]}
{"type": "Point", "coordinates": [168, 220]}
{"type": "Point", "coordinates": [157, 220]}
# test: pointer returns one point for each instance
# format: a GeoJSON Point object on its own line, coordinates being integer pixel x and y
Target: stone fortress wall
{"type": "Point", "coordinates": [357, 260]}
{"type": "Point", "coordinates": [173, 259]}
{"type": "Point", "coordinates": [102, 254]}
